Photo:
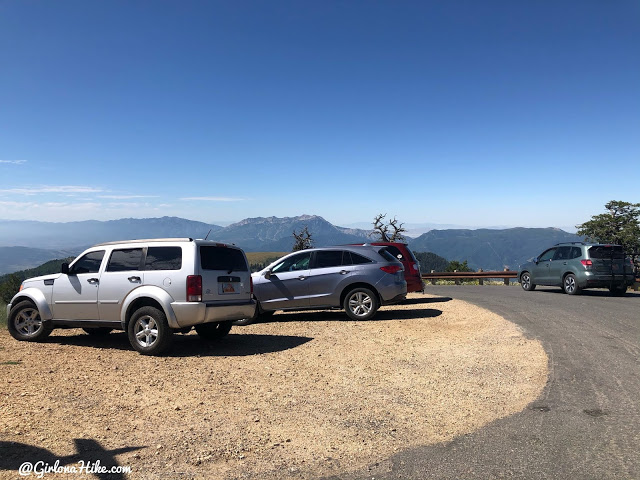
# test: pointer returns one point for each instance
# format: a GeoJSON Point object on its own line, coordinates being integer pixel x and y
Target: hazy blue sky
{"type": "Point", "coordinates": [462, 112]}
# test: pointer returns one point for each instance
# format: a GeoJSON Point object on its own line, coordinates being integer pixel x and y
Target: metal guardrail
{"type": "Point", "coordinates": [480, 275]}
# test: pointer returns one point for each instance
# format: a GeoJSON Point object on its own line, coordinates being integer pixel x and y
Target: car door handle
{"type": "Point", "coordinates": [302, 277]}
{"type": "Point", "coordinates": [344, 272]}
{"type": "Point", "coordinates": [134, 279]}
{"type": "Point", "coordinates": [93, 281]}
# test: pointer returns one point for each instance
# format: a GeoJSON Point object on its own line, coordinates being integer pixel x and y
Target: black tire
{"type": "Point", "coordinates": [149, 331]}
{"type": "Point", "coordinates": [570, 285]}
{"type": "Point", "coordinates": [98, 331]}
{"type": "Point", "coordinates": [213, 331]}
{"type": "Point", "coordinates": [525, 281]}
{"type": "Point", "coordinates": [25, 323]}
{"type": "Point", "coordinates": [360, 304]}
{"type": "Point", "coordinates": [618, 290]}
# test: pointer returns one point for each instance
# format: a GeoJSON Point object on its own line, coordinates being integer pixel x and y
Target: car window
{"type": "Point", "coordinates": [548, 255]}
{"type": "Point", "coordinates": [329, 258]}
{"type": "Point", "coordinates": [293, 263]}
{"type": "Point", "coordinates": [357, 259]}
{"type": "Point", "coordinates": [125, 260]}
{"type": "Point", "coordinates": [163, 258]}
{"type": "Point", "coordinates": [89, 263]}
{"type": "Point", "coordinates": [606, 252]}
{"type": "Point", "coordinates": [395, 251]}
{"type": "Point", "coordinates": [222, 258]}
{"type": "Point", "coordinates": [562, 253]}
{"type": "Point", "coordinates": [387, 255]}
{"type": "Point", "coordinates": [576, 252]}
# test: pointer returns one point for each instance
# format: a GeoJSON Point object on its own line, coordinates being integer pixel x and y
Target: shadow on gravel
{"type": "Point", "coordinates": [340, 316]}
{"type": "Point", "coordinates": [233, 345]}
{"type": "Point", "coordinates": [13, 455]}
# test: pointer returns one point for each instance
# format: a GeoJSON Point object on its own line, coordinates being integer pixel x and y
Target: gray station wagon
{"type": "Point", "coordinates": [148, 288]}
{"type": "Point", "coordinates": [358, 279]}
{"type": "Point", "coordinates": [576, 266]}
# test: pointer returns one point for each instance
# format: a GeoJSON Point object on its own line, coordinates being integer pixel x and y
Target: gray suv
{"type": "Point", "coordinates": [356, 278]}
{"type": "Point", "coordinates": [577, 265]}
{"type": "Point", "coordinates": [148, 288]}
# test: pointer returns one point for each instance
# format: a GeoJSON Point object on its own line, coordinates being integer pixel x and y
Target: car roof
{"type": "Point", "coordinates": [165, 240]}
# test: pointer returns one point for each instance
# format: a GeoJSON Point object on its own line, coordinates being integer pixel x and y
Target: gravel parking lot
{"type": "Point", "coordinates": [305, 395]}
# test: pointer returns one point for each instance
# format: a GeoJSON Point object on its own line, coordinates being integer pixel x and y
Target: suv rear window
{"type": "Point", "coordinates": [222, 258]}
{"type": "Point", "coordinates": [606, 252]}
{"type": "Point", "coordinates": [389, 256]}
{"type": "Point", "coordinates": [163, 258]}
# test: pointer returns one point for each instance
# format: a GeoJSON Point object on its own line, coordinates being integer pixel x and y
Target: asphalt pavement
{"type": "Point", "coordinates": [586, 423]}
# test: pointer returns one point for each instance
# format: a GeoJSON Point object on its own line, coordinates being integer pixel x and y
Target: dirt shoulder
{"type": "Point", "coordinates": [306, 395]}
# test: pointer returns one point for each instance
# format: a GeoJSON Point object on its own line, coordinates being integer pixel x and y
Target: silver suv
{"type": "Point", "coordinates": [148, 288]}
{"type": "Point", "coordinates": [356, 278]}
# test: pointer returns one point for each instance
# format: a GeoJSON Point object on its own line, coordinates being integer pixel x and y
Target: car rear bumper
{"type": "Point", "coordinates": [397, 299]}
{"type": "Point", "coordinates": [603, 281]}
{"type": "Point", "coordinates": [195, 313]}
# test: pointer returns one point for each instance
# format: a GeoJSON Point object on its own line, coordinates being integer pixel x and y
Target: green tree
{"type": "Point", "coordinates": [384, 230]}
{"type": "Point", "coordinates": [430, 261]}
{"type": "Point", "coordinates": [456, 266]}
{"type": "Point", "coordinates": [302, 240]}
{"type": "Point", "coordinates": [620, 226]}
{"type": "Point", "coordinates": [9, 287]}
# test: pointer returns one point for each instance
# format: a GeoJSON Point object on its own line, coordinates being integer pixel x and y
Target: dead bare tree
{"type": "Point", "coordinates": [302, 240]}
{"type": "Point", "coordinates": [383, 230]}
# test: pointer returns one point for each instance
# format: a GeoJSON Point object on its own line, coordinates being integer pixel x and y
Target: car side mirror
{"type": "Point", "coordinates": [64, 268]}
{"type": "Point", "coordinates": [267, 274]}
{"type": "Point", "coordinates": [536, 260]}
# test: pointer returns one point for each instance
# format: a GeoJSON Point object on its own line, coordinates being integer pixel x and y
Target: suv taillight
{"type": "Point", "coordinates": [416, 267]}
{"type": "Point", "coordinates": [194, 288]}
{"type": "Point", "coordinates": [391, 269]}
{"type": "Point", "coordinates": [586, 263]}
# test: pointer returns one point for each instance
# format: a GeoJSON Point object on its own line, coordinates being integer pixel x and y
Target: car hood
{"type": "Point", "coordinates": [41, 278]}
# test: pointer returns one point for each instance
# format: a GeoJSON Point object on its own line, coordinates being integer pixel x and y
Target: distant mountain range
{"type": "Point", "coordinates": [26, 244]}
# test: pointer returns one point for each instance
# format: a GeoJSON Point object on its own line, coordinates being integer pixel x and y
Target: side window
{"type": "Point", "coordinates": [576, 252]}
{"type": "Point", "coordinates": [388, 256]}
{"type": "Point", "coordinates": [330, 258]}
{"type": "Point", "coordinates": [89, 263]}
{"type": "Point", "coordinates": [548, 255]}
{"type": "Point", "coordinates": [562, 253]}
{"type": "Point", "coordinates": [357, 259]}
{"type": "Point", "coordinates": [163, 258]}
{"type": "Point", "coordinates": [293, 263]}
{"type": "Point", "coordinates": [125, 260]}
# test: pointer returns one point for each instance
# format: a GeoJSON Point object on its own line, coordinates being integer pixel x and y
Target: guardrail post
{"type": "Point", "coordinates": [506, 280]}
{"type": "Point", "coordinates": [433, 280]}
{"type": "Point", "coordinates": [456, 280]}
{"type": "Point", "coordinates": [480, 280]}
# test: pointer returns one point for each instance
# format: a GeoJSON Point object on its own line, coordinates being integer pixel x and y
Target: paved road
{"type": "Point", "coordinates": [585, 425]}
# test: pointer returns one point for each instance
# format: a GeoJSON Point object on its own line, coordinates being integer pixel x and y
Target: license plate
{"type": "Point", "coordinates": [228, 288]}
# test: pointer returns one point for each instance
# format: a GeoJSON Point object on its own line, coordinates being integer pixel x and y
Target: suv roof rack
{"type": "Point", "coordinates": [146, 240]}
{"type": "Point", "coordinates": [570, 243]}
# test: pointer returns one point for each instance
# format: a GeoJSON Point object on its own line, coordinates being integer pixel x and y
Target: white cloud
{"type": "Point", "coordinates": [215, 199]}
{"type": "Point", "coordinates": [13, 162]}
{"type": "Point", "coordinates": [126, 197]}
{"type": "Point", "coordinates": [35, 190]}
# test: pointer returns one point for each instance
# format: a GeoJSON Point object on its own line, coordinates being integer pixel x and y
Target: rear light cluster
{"type": "Point", "coordinates": [586, 263]}
{"type": "Point", "coordinates": [391, 269]}
{"type": "Point", "coordinates": [194, 288]}
{"type": "Point", "coordinates": [415, 267]}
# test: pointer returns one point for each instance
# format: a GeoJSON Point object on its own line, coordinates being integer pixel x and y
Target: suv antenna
{"type": "Point", "coordinates": [208, 234]}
